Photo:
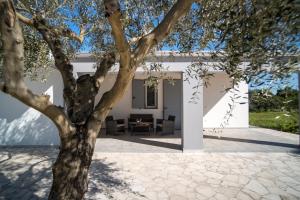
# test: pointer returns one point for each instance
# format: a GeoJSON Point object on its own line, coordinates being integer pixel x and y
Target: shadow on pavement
{"type": "Point", "coordinates": [150, 142]}
{"type": "Point", "coordinates": [278, 144]}
{"type": "Point", "coordinates": [25, 173]}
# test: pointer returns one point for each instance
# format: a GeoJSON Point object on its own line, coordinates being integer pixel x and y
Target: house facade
{"type": "Point", "coordinates": [194, 106]}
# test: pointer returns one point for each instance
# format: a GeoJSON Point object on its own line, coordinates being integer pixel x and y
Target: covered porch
{"type": "Point", "coordinates": [176, 97]}
{"type": "Point", "coordinates": [194, 106]}
{"type": "Point", "coordinates": [171, 97]}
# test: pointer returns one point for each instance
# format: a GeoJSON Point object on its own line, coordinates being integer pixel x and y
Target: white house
{"type": "Point", "coordinates": [21, 125]}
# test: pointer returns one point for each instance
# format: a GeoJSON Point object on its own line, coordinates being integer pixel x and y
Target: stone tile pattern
{"type": "Point", "coordinates": [25, 173]}
{"type": "Point", "coordinates": [224, 140]}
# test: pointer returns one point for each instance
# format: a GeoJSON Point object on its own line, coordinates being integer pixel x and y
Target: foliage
{"type": "Point", "coordinates": [263, 32]}
{"type": "Point", "coordinates": [281, 121]}
{"type": "Point", "coordinates": [38, 60]}
{"type": "Point", "coordinates": [264, 100]}
{"type": "Point", "coordinates": [290, 97]}
{"type": "Point", "coordinates": [276, 111]}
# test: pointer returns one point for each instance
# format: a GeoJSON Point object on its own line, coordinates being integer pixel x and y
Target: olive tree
{"type": "Point", "coordinates": [265, 33]}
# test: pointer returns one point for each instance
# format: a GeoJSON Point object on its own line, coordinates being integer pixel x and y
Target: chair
{"type": "Point", "coordinates": [114, 127]}
{"type": "Point", "coordinates": [166, 126]}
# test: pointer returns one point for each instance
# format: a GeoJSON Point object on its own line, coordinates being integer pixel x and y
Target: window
{"type": "Point", "coordinates": [143, 96]}
{"type": "Point", "coordinates": [150, 93]}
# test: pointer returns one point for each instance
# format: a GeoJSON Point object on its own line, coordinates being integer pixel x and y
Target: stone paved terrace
{"type": "Point", "coordinates": [25, 173]}
{"type": "Point", "coordinates": [215, 140]}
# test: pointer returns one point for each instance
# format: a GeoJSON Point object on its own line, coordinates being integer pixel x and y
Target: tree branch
{"type": "Point", "coordinates": [107, 62]}
{"type": "Point", "coordinates": [135, 39]}
{"type": "Point", "coordinates": [42, 104]}
{"type": "Point", "coordinates": [125, 74]}
{"type": "Point", "coordinates": [110, 98]}
{"type": "Point", "coordinates": [13, 64]}
{"type": "Point", "coordinates": [59, 31]}
{"type": "Point", "coordinates": [24, 19]}
{"type": "Point", "coordinates": [62, 62]}
{"type": "Point", "coordinates": [179, 9]}
{"type": "Point", "coordinates": [112, 10]}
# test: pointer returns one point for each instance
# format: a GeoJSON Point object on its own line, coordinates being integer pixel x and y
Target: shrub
{"type": "Point", "coordinates": [281, 121]}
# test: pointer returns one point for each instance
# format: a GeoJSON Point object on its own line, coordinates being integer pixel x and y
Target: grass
{"type": "Point", "coordinates": [281, 121]}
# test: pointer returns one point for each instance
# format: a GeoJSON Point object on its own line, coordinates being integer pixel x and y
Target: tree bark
{"type": "Point", "coordinates": [70, 170]}
{"type": "Point", "coordinates": [79, 127]}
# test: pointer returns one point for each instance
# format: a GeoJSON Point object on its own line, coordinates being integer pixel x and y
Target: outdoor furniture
{"type": "Point", "coordinates": [114, 127]}
{"type": "Point", "coordinates": [166, 126]}
{"type": "Point", "coordinates": [145, 118]}
{"type": "Point", "coordinates": [141, 127]}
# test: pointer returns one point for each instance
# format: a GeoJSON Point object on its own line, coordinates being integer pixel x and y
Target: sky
{"type": "Point", "coordinates": [292, 82]}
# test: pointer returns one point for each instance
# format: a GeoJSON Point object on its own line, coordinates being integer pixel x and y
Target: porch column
{"type": "Point", "coordinates": [192, 116]}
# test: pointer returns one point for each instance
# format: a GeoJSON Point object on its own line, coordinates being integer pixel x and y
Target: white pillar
{"type": "Point", "coordinates": [192, 116]}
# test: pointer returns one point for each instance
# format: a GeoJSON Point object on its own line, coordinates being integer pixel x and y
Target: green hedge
{"type": "Point", "coordinates": [275, 120]}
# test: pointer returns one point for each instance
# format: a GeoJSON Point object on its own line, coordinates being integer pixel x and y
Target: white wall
{"type": "Point", "coordinates": [216, 103]}
{"type": "Point", "coordinates": [215, 99]}
{"type": "Point", "coordinates": [21, 125]}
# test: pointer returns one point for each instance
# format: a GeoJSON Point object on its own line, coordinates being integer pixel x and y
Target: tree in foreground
{"type": "Point", "coordinates": [265, 33]}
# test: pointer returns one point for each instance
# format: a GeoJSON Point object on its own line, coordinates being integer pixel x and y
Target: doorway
{"type": "Point", "coordinates": [172, 100]}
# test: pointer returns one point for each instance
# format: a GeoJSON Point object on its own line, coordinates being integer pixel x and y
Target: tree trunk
{"type": "Point", "coordinates": [70, 171]}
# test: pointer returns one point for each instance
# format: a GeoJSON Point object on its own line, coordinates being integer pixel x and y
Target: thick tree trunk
{"type": "Point", "coordinates": [70, 171]}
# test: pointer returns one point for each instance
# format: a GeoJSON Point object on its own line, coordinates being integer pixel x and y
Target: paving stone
{"type": "Point", "coordinates": [293, 192]}
{"type": "Point", "coordinates": [200, 197]}
{"type": "Point", "coordinates": [231, 178]}
{"type": "Point", "coordinates": [219, 196]}
{"type": "Point", "coordinates": [256, 187]}
{"type": "Point", "coordinates": [266, 182]}
{"type": "Point", "coordinates": [272, 197]}
{"type": "Point", "coordinates": [229, 192]}
{"type": "Point", "coordinates": [230, 184]}
{"type": "Point", "coordinates": [136, 176]}
{"type": "Point", "coordinates": [214, 181]}
{"type": "Point", "coordinates": [243, 180]}
{"type": "Point", "coordinates": [163, 195]}
{"type": "Point", "coordinates": [205, 191]}
{"type": "Point", "coordinates": [243, 196]}
{"type": "Point", "coordinates": [252, 194]}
